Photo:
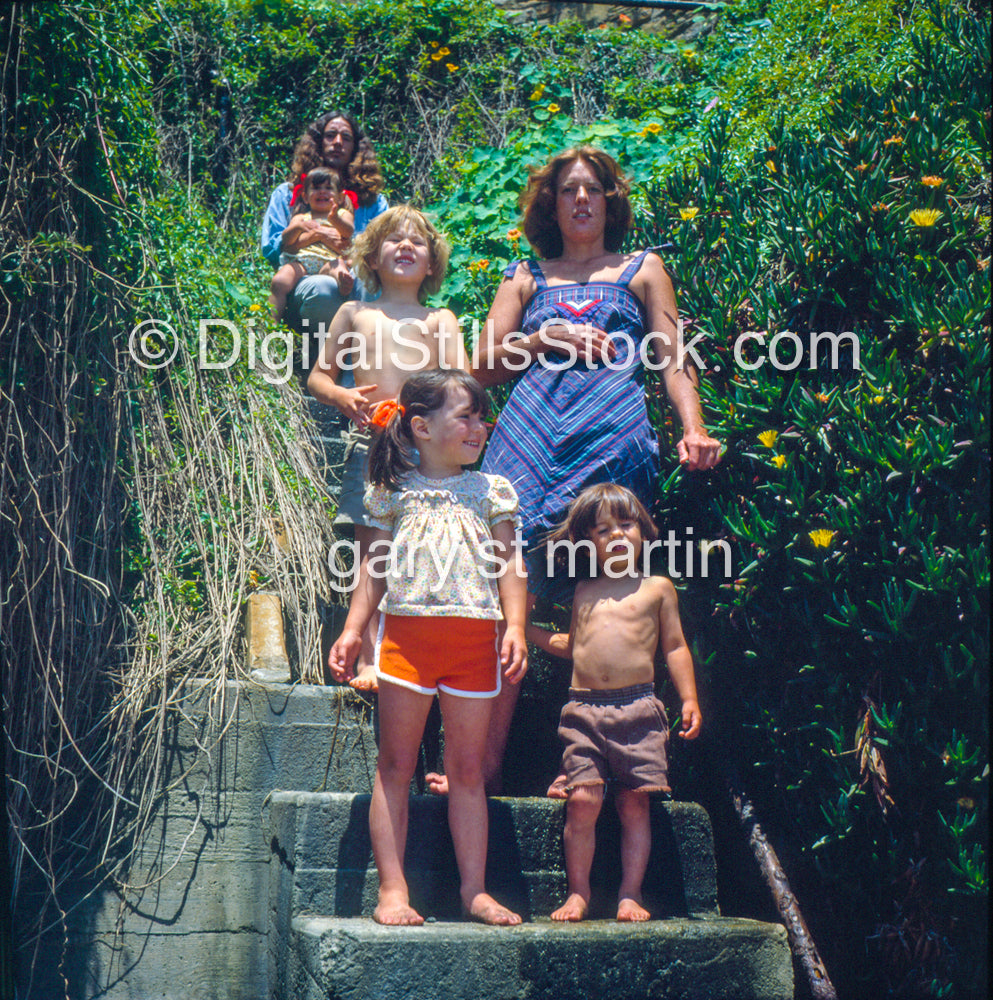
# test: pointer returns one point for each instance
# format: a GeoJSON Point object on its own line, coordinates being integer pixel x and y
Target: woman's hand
{"type": "Point", "coordinates": [697, 450]}
{"type": "Point", "coordinates": [581, 342]}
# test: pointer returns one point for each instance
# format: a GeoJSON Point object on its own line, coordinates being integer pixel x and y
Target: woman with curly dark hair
{"type": "Point", "coordinates": [335, 141]}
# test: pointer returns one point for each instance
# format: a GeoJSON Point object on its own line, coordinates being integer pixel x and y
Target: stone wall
{"type": "Point", "coordinates": [684, 25]}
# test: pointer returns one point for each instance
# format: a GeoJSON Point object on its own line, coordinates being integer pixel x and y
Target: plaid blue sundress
{"type": "Point", "coordinates": [566, 427]}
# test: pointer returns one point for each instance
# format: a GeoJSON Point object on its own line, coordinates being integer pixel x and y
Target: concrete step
{"type": "Point", "coordinates": [708, 958]}
{"type": "Point", "coordinates": [323, 888]}
{"type": "Point", "coordinates": [322, 843]}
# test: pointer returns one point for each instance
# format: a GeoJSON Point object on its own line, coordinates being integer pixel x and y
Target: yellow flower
{"type": "Point", "coordinates": [554, 108]}
{"type": "Point", "coordinates": [770, 166]}
{"type": "Point", "coordinates": [434, 45]}
{"type": "Point", "coordinates": [444, 51]}
{"type": "Point", "coordinates": [878, 399]}
{"type": "Point", "coordinates": [821, 537]}
{"type": "Point", "coordinates": [893, 140]}
{"type": "Point", "coordinates": [451, 67]}
{"type": "Point", "coordinates": [689, 214]}
{"type": "Point", "coordinates": [925, 217]}
{"type": "Point", "coordinates": [254, 307]}
{"type": "Point", "coordinates": [778, 461]}
{"type": "Point", "coordinates": [436, 56]}
{"type": "Point", "coordinates": [932, 181]}
{"type": "Point", "coordinates": [768, 438]}
{"type": "Point", "coordinates": [537, 92]}
{"type": "Point", "coordinates": [653, 129]}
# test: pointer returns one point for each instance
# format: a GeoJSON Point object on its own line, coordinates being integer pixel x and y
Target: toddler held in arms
{"type": "Point", "coordinates": [320, 193]}
{"type": "Point", "coordinates": [613, 727]}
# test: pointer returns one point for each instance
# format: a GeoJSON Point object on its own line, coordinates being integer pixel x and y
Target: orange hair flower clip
{"type": "Point", "coordinates": [385, 411]}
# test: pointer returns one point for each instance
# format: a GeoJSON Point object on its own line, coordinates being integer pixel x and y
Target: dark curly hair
{"type": "Point", "coordinates": [537, 200]}
{"type": "Point", "coordinates": [361, 175]}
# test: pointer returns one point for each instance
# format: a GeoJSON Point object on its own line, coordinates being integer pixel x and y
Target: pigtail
{"type": "Point", "coordinates": [390, 453]}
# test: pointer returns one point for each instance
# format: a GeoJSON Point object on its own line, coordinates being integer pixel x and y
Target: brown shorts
{"type": "Point", "coordinates": [622, 734]}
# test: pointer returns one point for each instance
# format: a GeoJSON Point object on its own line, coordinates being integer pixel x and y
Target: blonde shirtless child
{"type": "Point", "coordinates": [613, 726]}
{"type": "Point", "coordinates": [384, 342]}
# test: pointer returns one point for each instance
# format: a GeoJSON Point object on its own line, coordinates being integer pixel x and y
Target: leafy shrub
{"type": "Point", "coordinates": [850, 648]}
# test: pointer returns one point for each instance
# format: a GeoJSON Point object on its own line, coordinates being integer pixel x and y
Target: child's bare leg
{"type": "Point", "coordinates": [402, 715]}
{"type": "Point", "coordinates": [465, 721]}
{"type": "Point", "coordinates": [365, 666]}
{"type": "Point", "coordinates": [496, 744]}
{"type": "Point", "coordinates": [585, 802]}
{"type": "Point", "coordinates": [283, 282]}
{"type": "Point", "coordinates": [636, 844]}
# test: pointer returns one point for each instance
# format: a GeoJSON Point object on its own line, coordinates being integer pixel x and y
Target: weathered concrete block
{"type": "Point", "coordinates": [264, 635]}
{"type": "Point", "coordinates": [323, 842]}
{"type": "Point", "coordinates": [689, 959]}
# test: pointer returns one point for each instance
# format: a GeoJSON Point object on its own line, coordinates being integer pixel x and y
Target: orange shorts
{"type": "Point", "coordinates": [456, 655]}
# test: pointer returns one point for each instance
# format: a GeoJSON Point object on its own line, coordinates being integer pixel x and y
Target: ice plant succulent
{"type": "Point", "coordinates": [768, 438]}
{"type": "Point", "coordinates": [821, 537]}
{"type": "Point", "coordinates": [925, 217]}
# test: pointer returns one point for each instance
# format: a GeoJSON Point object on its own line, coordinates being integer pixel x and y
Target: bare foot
{"type": "Point", "coordinates": [365, 679]}
{"type": "Point", "coordinates": [631, 911]}
{"type": "Point", "coordinates": [395, 910]}
{"type": "Point", "coordinates": [557, 789]}
{"type": "Point", "coordinates": [437, 784]}
{"type": "Point", "coordinates": [572, 910]}
{"type": "Point", "coordinates": [487, 910]}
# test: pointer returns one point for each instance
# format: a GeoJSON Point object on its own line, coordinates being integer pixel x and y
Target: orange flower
{"type": "Point", "coordinates": [623, 18]}
{"type": "Point", "coordinates": [513, 234]}
{"type": "Point", "coordinates": [862, 167]}
{"type": "Point", "coordinates": [932, 181]}
{"type": "Point", "coordinates": [893, 140]}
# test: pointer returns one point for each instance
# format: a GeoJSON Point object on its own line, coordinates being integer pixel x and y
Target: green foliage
{"type": "Point", "coordinates": [851, 647]}
{"type": "Point", "coordinates": [848, 653]}
{"type": "Point", "coordinates": [793, 56]}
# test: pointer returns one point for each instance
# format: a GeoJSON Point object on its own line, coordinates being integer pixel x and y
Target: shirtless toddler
{"type": "Point", "coordinates": [613, 726]}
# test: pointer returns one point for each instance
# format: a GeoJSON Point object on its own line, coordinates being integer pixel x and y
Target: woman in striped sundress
{"type": "Point", "coordinates": [575, 329]}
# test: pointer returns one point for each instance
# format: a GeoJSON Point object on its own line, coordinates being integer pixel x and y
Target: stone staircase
{"type": "Point", "coordinates": [323, 944]}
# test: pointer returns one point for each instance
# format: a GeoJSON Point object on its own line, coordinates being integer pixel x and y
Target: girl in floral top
{"type": "Point", "coordinates": [444, 567]}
